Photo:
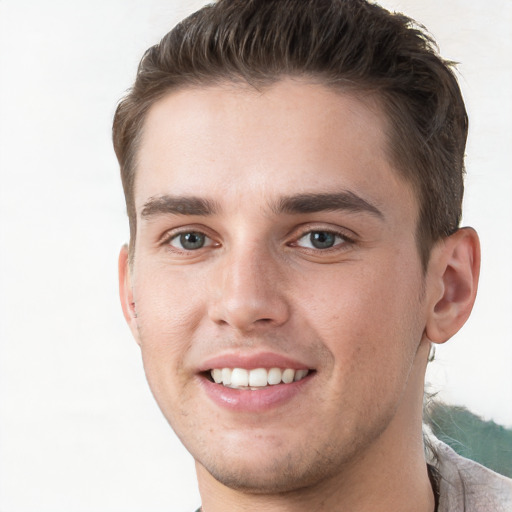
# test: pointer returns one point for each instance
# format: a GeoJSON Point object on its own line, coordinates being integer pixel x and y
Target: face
{"type": "Point", "coordinates": [276, 285]}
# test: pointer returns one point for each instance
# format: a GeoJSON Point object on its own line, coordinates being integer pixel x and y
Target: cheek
{"type": "Point", "coordinates": [167, 306]}
{"type": "Point", "coordinates": [371, 322]}
{"type": "Point", "coordinates": [167, 316]}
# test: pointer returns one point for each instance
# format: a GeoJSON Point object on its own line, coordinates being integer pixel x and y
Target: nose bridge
{"type": "Point", "coordinates": [247, 288]}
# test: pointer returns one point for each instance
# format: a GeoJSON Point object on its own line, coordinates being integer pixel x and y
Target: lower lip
{"type": "Point", "coordinates": [242, 400]}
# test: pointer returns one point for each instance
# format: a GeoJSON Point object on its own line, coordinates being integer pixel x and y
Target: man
{"type": "Point", "coordinates": [293, 178]}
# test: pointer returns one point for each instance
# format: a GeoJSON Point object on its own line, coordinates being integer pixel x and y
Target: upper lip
{"type": "Point", "coordinates": [252, 361]}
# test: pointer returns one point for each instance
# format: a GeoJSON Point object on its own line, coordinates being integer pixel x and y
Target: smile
{"type": "Point", "coordinates": [257, 378]}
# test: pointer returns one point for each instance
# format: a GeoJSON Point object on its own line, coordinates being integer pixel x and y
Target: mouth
{"type": "Point", "coordinates": [255, 382]}
{"type": "Point", "coordinates": [255, 379]}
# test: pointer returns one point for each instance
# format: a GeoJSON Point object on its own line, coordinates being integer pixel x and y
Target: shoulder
{"type": "Point", "coordinates": [465, 485]}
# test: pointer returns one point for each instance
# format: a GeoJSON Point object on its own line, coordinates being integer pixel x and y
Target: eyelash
{"type": "Point", "coordinates": [346, 241]}
{"type": "Point", "coordinates": [169, 237]}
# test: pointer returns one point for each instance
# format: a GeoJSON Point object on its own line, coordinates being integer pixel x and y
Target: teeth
{"type": "Point", "coordinates": [239, 377]}
{"type": "Point", "coordinates": [288, 376]}
{"type": "Point", "coordinates": [217, 376]}
{"type": "Point", "coordinates": [300, 374]}
{"type": "Point", "coordinates": [274, 376]}
{"type": "Point", "coordinates": [257, 378]}
{"type": "Point", "coordinates": [226, 376]}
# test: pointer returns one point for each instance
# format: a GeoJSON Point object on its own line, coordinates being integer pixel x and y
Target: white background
{"type": "Point", "coordinates": [79, 429]}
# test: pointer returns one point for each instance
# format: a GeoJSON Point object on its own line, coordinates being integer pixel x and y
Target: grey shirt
{"type": "Point", "coordinates": [466, 486]}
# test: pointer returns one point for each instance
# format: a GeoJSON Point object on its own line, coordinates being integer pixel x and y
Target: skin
{"type": "Point", "coordinates": [361, 314]}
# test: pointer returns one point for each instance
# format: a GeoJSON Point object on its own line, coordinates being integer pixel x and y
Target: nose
{"type": "Point", "coordinates": [248, 291]}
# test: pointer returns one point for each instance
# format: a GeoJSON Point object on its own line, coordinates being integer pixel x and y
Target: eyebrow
{"type": "Point", "coordinates": [311, 203]}
{"type": "Point", "coordinates": [178, 205]}
{"type": "Point", "coordinates": [296, 204]}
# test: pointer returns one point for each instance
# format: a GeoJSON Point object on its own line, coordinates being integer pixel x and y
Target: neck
{"type": "Point", "coordinates": [389, 476]}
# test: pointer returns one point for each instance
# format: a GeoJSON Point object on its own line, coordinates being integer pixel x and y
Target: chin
{"type": "Point", "coordinates": [271, 477]}
{"type": "Point", "coordinates": [284, 462]}
{"type": "Point", "coordinates": [276, 469]}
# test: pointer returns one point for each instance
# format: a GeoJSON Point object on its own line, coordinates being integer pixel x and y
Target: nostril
{"type": "Point", "coordinates": [245, 308]}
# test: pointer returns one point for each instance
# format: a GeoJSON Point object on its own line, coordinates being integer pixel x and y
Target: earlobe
{"type": "Point", "coordinates": [126, 292]}
{"type": "Point", "coordinates": [454, 270]}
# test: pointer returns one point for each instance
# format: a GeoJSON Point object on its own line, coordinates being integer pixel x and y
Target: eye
{"type": "Point", "coordinates": [320, 240]}
{"type": "Point", "coordinates": [190, 241]}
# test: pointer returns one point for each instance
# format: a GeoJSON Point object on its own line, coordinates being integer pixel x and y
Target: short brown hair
{"type": "Point", "coordinates": [346, 44]}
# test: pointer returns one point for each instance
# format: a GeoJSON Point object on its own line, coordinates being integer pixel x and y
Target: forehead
{"type": "Point", "coordinates": [233, 141]}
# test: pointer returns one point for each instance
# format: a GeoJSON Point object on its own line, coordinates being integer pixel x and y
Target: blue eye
{"type": "Point", "coordinates": [320, 240]}
{"type": "Point", "coordinates": [190, 241]}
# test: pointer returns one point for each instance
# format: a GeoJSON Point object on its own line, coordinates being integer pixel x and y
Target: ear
{"type": "Point", "coordinates": [126, 293]}
{"type": "Point", "coordinates": [453, 275]}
